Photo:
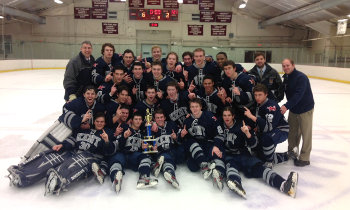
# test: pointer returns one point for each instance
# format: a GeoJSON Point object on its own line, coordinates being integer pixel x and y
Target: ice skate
{"type": "Point", "coordinates": [51, 184]}
{"type": "Point", "coordinates": [289, 187]}
{"type": "Point", "coordinates": [98, 172]}
{"type": "Point", "coordinates": [218, 179]}
{"type": "Point", "coordinates": [268, 165]}
{"type": "Point", "coordinates": [117, 183]}
{"type": "Point", "coordinates": [237, 188]}
{"type": "Point", "coordinates": [158, 166]}
{"type": "Point", "coordinates": [293, 154]}
{"type": "Point", "coordinates": [13, 176]}
{"type": "Point", "coordinates": [146, 182]}
{"type": "Point", "coordinates": [171, 179]}
{"type": "Point", "coordinates": [207, 169]}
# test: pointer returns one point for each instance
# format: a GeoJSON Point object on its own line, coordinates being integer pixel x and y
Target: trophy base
{"type": "Point", "coordinates": [149, 152]}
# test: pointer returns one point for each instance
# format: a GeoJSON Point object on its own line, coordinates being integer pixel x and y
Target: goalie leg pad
{"type": "Point", "coordinates": [35, 169]}
{"type": "Point", "coordinates": [52, 136]}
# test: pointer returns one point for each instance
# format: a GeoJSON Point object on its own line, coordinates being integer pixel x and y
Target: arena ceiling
{"type": "Point", "coordinates": [315, 14]}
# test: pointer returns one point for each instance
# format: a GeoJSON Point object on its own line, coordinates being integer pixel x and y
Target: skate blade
{"type": "Point", "coordinates": [160, 162]}
{"type": "Point", "coordinates": [233, 188]}
{"type": "Point", "coordinates": [144, 186]}
{"type": "Point", "coordinates": [169, 178]}
{"type": "Point", "coordinates": [117, 187]}
{"type": "Point", "coordinates": [293, 190]}
{"type": "Point", "coordinates": [95, 169]}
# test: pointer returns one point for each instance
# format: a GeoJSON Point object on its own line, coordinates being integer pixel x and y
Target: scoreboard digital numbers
{"type": "Point", "coordinates": [154, 14]}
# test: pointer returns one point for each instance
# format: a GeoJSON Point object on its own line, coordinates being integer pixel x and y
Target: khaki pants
{"type": "Point", "coordinates": [300, 125]}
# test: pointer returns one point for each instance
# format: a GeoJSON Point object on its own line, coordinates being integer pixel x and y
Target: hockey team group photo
{"type": "Point", "coordinates": [123, 113]}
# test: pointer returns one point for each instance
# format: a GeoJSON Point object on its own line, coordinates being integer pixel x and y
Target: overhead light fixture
{"type": "Point", "coordinates": [122, 0]}
{"type": "Point", "coordinates": [180, 1]}
{"type": "Point", "coordinates": [58, 1]}
{"type": "Point", "coordinates": [349, 15]}
{"type": "Point", "coordinates": [342, 20]}
{"type": "Point", "coordinates": [243, 4]}
{"type": "Point", "coordinates": [1, 17]}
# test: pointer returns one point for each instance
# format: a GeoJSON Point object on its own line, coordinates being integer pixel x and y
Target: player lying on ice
{"type": "Point", "coordinates": [67, 162]}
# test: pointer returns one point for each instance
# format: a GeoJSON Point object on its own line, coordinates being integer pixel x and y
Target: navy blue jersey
{"type": "Point", "coordinates": [197, 74]}
{"type": "Point", "coordinates": [74, 111]}
{"type": "Point", "coordinates": [212, 102]}
{"type": "Point", "coordinates": [142, 106]}
{"type": "Point", "coordinates": [163, 136]}
{"type": "Point", "coordinates": [133, 143]}
{"type": "Point", "coordinates": [111, 109]}
{"type": "Point", "coordinates": [176, 111]}
{"type": "Point", "coordinates": [158, 84]}
{"type": "Point", "coordinates": [205, 128]}
{"type": "Point", "coordinates": [141, 85]}
{"type": "Point", "coordinates": [103, 94]}
{"type": "Point", "coordinates": [102, 69]}
{"type": "Point", "coordinates": [173, 74]}
{"type": "Point", "coordinates": [236, 142]}
{"type": "Point", "coordinates": [129, 69]}
{"type": "Point", "coordinates": [90, 140]}
{"type": "Point", "coordinates": [269, 117]}
{"type": "Point", "coordinates": [245, 87]}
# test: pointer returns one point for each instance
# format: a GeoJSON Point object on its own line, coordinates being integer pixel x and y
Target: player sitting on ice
{"type": "Point", "coordinates": [116, 120]}
{"type": "Point", "coordinates": [166, 133]}
{"type": "Point", "coordinates": [203, 139]}
{"type": "Point", "coordinates": [238, 140]}
{"type": "Point", "coordinates": [131, 156]}
{"type": "Point", "coordinates": [271, 126]}
{"type": "Point", "coordinates": [67, 162]}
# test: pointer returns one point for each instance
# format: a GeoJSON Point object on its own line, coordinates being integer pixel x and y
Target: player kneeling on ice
{"type": "Point", "coordinates": [238, 139]}
{"type": "Point", "coordinates": [166, 134]}
{"type": "Point", "coordinates": [67, 162]}
{"type": "Point", "coordinates": [271, 126]}
{"type": "Point", "coordinates": [131, 156]}
{"type": "Point", "coordinates": [203, 139]}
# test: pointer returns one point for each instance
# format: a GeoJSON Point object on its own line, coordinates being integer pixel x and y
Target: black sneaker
{"type": "Point", "coordinates": [301, 163]}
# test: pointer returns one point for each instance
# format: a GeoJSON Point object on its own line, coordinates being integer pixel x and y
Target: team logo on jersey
{"type": "Point", "coordinates": [214, 118]}
{"type": "Point", "coordinates": [101, 87]}
{"type": "Point", "coordinates": [95, 64]}
{"type": "Point", "coordinates": [271, 108]}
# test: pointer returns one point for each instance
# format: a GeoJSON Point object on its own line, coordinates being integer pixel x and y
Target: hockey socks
{"type": "Point", "coordinates": [197, 153]}
{"type": "Point", "coordinates": [145, 166]}
{"type": "Point", "coordinates": [280, 157]}
{"type": "Point", "coordinates": [272, 178]}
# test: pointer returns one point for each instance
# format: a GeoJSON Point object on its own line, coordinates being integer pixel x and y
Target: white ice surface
{"type": "Point", "coordinates": [30, 101]}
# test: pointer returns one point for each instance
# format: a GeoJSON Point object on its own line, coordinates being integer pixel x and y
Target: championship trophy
{"type": "Point", "coordinates": [149, 139]}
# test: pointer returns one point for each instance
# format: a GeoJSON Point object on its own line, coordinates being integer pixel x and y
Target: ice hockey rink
{"type": "Point", "coordinates": [32, 100]}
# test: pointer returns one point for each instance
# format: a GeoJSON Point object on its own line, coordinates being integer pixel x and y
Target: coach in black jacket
{"type": "Point", "coordinates": [268, 76]}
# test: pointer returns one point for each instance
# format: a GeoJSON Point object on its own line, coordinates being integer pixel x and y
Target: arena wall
{"type": "Point", "coordinates": [318, 72]}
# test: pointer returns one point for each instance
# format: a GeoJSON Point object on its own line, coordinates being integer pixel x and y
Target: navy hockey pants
{"type": "Point", "coordinates": [135, 161]}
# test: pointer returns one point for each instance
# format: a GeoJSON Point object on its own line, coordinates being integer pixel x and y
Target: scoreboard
{"type": "Point", "coordinates": [154, 14]}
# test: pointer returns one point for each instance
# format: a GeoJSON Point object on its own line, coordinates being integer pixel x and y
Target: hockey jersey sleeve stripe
{"type": "Point", "coordinates": [71, 140]}
{"type": "Point", "coordinates": [69, 120]}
